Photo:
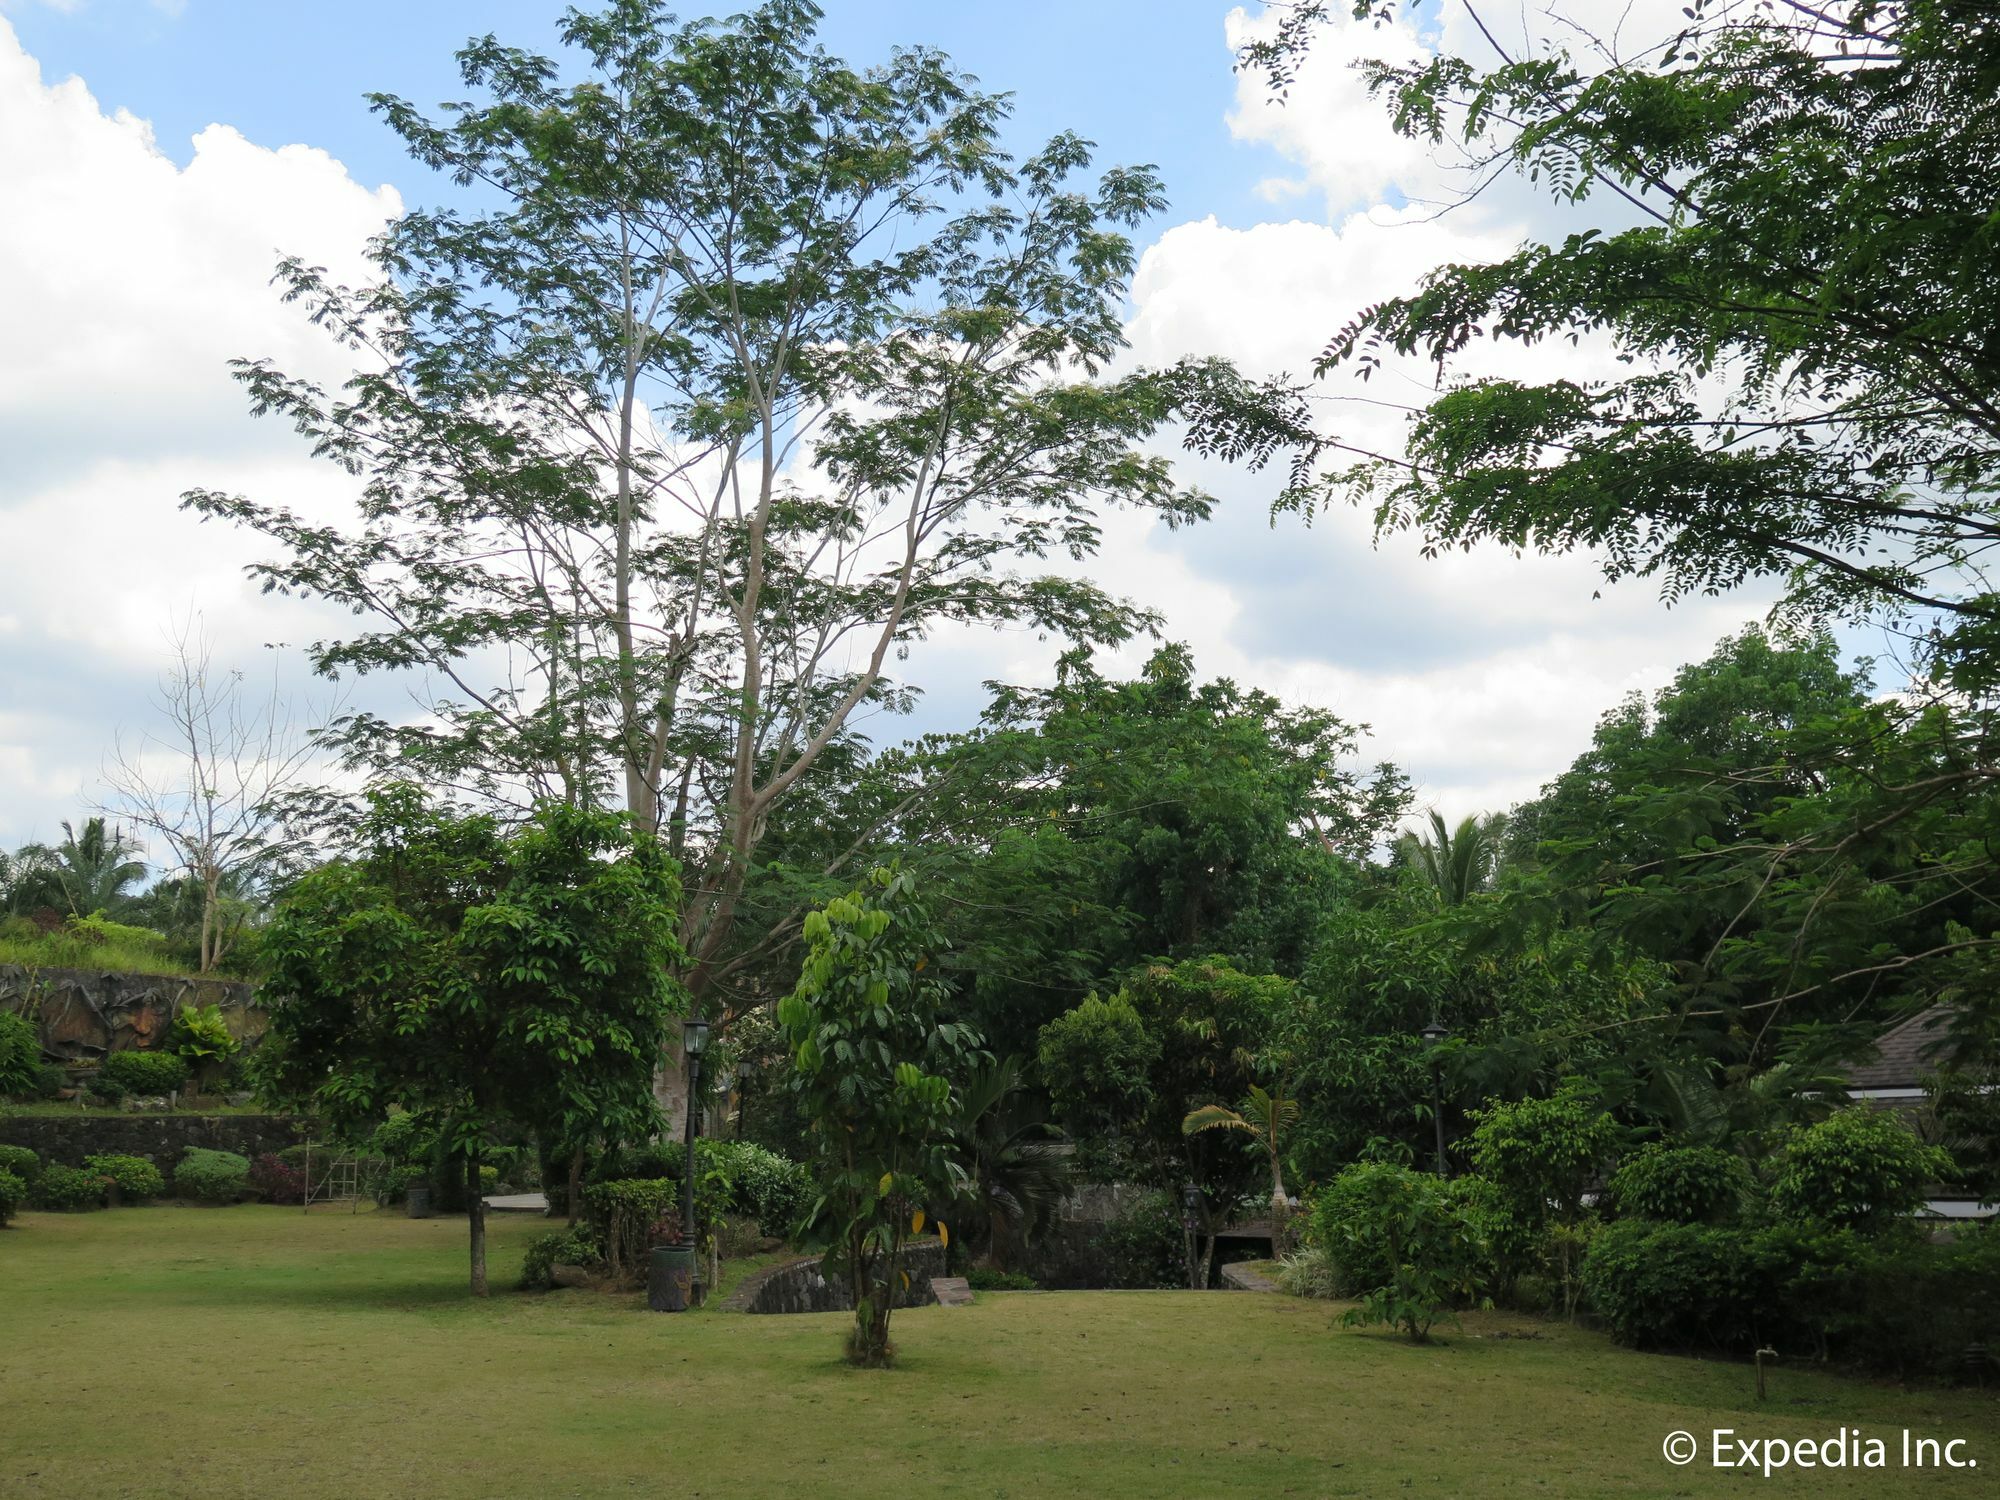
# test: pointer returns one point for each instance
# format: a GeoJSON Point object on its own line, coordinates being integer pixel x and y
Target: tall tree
{"type": "Point", "coordinates": [1096, 825]}
{"type": "Point", "coordinates": [741, 369]}
{"type": "Point", "coordinates": [1794, 261]}
{"type": "Point", "coordinates": [92, 871]}
{"type": "Point", "coordinates": [1457, 863]}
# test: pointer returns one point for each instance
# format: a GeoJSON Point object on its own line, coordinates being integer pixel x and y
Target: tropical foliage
{"type": "Point", "coordinates": [478, 977]}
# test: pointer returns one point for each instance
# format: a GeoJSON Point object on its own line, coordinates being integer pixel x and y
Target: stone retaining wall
{"type": "Point", "coordinates": [797, 1285]}
{"type": "Point", "coordinates": [159, 1138]}
{"type": "Point", "coordinates": [86, 1014]}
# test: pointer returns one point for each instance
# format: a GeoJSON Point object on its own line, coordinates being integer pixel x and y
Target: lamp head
{"type": "Point", "coordinates": [694, 1036]}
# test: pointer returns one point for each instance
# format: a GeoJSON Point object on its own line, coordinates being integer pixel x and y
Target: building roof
{"type": "Point", "coordinates": [1905, 1054]}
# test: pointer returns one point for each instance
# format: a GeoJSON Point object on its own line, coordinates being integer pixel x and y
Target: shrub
{"type": "Point", "coordinates": [13, 1193]}
{"type": "Point", "coordinates": [133, 1176]}
{"type": "Point", "coordinates": [201, 1039]}
{"type": "Point", "coordinates": [1681, 1185]}
{"type": "Point", "coordinates": [20, 1054]}
{"type": "Point", "coordinates": [1857, 1169]}
{"type": "Point", "coordinates": [22, 1162]}
{"type": "Point", "coordinates": [67, 1188]}
{"type": "Point", "coordinates": [1337, 1225]}
{"type": "Point", "coordinates": [624, 1216]}
{"type": "Point", "coordinates": [110, 1090]}
{"type": "Point", "coordinates": [50, 1080]}
{"type": "Point", "coordinates": [404, 1140]}
{"type": "Point", "coordinates": [986, 1279]}
{"type": "Point", "coordinates": [650, 1160]}
{"type": "Point", "coordinates": [1407, 1223]}
{"type": "Point", "coordinates": [564, 1247]}
{"type": "Point", "coordinates": [1307, 1272]}
{"type": "Point", "coordinates": [145, 1073]}
{"type": "Point", "coordinates": [276, 1180]}
{"type": "Point", "coordinates": [1541, 1155]}
{"type": "Point", "coordinates": [1917, 1310]}
{"type": "Point", "coordinates": [772, 1189]}
{"type": "Point", "coordinates": [1097, 1062]}
{"type": "Point", "coordinates": [1145, 1246]}
{"type": "Point", "coordinates": [212, 1176]}
{"type": "Point", "coordinates": [1686, 1286]}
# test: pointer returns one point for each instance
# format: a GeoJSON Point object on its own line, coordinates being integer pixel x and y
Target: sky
{"type": "Point", "coordinates": [157, 157]}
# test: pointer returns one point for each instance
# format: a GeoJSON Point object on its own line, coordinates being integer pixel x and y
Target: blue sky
{"type": "Point", "coordinates": [1149, 80]}
{"type": "Point", "coordinates": [158, 156]}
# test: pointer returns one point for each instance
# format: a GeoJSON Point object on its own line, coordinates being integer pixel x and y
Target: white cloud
{"type": "Point", "coordinates": [1482, 673]}
{"type": "Point", "coordinates": [129, 283]}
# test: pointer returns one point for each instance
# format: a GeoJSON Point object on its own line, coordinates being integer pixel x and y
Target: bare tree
{"type": "Point", "coordinates": [209, 785]}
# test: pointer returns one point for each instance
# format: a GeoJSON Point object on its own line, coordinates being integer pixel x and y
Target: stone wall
{"type": "Point", "coordinates": [1072, 1253]}
{"type": "Point", "coordinates": [159, 1138]}
{"type": "Point", "coordinates": [797, 1286]}
{"type": "Point", "coordinates": [86, 1014]}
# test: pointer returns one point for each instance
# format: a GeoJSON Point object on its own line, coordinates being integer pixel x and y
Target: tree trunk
{"type": "Point", "coordinates": [1281, 1211]}
{"type": "Point", "coordinates": [575, 1183]}
{"type": "Point", "coordinates": [476, 1212]}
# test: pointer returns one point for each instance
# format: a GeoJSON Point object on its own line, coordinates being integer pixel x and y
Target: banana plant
{"type": "Point", "coordinates": [1264, 1116]}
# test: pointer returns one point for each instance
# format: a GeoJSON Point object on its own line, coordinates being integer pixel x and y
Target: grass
{"type": "Point", "coordinates": [260, 1351]}
{"type": "Point", "coordinates": [143, 954]}
{"type": "Point", "coordinates": [56, 1109]}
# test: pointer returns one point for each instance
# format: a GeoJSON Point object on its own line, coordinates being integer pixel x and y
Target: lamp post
{"type": "Point", "coordinates": [1191, 1225]}
{"type": "Point", "coordinates": [694, 1042]}
{"type": "Point", "coordinates": [743, 1074]}
{"type": "Point", "coordinates": [1434, 1034]}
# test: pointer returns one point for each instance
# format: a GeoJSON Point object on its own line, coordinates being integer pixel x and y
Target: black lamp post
{"type": "Point", "coordinates": [744, 1071]}
{"type": "Point", "coordinates": [1191, 1224]}
{"type": "Point", "coordinates": [694, 1041]}
{"type": "Point", "coordinates": [1434, 1034]}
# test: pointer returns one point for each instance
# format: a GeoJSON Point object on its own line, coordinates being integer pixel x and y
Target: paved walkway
{"type": "Point", "coordinates": [1241, 1278]}
{"type": "Point", "coordinates": [520, 1203]}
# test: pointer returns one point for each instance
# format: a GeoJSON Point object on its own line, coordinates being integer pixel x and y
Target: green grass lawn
{"type": "Point", "coordinates": [263, 1352]}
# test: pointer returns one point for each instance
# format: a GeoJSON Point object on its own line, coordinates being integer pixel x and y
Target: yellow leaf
{"type": "Point", "coordinates": [882, 1187]}
{"type": "Point", "coordinates": [944, 1235]}
{"type": "Point", "coordinates": [917, 1222]}
{"type": "Point", "coordinates": [906, 1281]}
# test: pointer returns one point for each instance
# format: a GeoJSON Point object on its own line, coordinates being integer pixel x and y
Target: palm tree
{"type": "Point", "coordinates": [1019, 1168]}
{"type": "Point", "coordinates": [28, 879]}
{"type": "Point", "coordinates": [1458, 863]}
{"type": "Point", "coordinates": [1264, 1117]}
{"type": "Point", "coordinates": [94, 869]}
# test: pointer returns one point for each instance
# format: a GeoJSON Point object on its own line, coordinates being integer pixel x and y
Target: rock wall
{"type": "Point", "coordinates": [1072, 1253]}
{"type": "Point", "coordinates": [159, 1138]}
{"type": "Point", "coordinates": [87, 1014]}
{"type": "Point", "coordinates": [797, 1286]}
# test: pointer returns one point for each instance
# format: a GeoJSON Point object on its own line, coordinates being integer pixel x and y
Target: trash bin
{"type": "Point", "coordinates": [670, 1278]}
{"type": "Point", "coordinates": [417, 1203]}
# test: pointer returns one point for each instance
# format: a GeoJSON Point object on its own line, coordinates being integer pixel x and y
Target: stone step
{"type": "Point", "coordinates": [951, 1291]}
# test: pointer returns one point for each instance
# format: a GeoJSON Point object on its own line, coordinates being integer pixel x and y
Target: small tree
{"type": "Point", "coordinates": [1679, 1184]}
{"type": "Point", "coordinates": [1858, 1169]}
{"type": "Point", "coordinates": [209, 786]}
{"type": "Point", "coordinates": [1097, 1063]}
{"type": "Point", "coordinates": [1542, 1154]}
{"type": "Point", "coordinates": [1407, 1224]}
{"type": "Point", "coordinates": [870, 1067]}
{"type": "Point", "coordinates": [483, 978]}
{"type": "Point", "coordinates": [1264, 1117]}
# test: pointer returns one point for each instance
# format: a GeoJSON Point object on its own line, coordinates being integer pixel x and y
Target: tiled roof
{"type": "Point", "coordinates": [1905, 1054]}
